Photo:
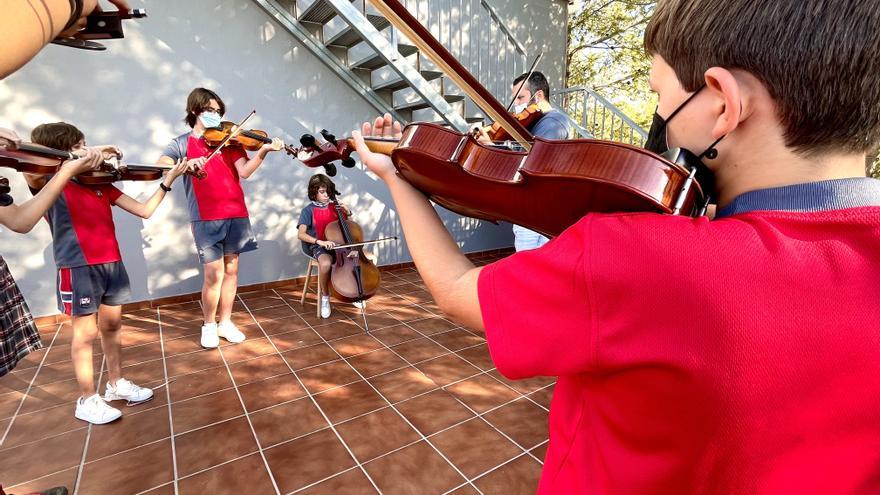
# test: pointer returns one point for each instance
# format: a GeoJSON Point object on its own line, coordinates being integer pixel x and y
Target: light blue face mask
{"type": "Point", "coordinates": [210, 119]}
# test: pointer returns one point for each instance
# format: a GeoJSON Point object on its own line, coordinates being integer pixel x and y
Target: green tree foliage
{"type": "Point", "coordinates": [606, 53]}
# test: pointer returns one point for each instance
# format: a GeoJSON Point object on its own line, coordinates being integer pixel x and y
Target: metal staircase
{"type": "Point", "coordinates": [361, 47]}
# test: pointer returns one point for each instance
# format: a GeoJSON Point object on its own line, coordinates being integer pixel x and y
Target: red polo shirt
{"type": "Point", "coordinates": [734, 356]}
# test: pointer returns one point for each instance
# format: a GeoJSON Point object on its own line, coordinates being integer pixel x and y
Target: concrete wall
{"type": "Point", "coordinates": [134, 94]}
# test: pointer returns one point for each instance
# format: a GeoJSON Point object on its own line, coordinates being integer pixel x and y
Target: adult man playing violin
{"type": "Point", "coordinates": [220, 222]}
{"type": "Point", "coordinates": [550, 125]}
{"type": "Point", "coordinates": [92, 280]}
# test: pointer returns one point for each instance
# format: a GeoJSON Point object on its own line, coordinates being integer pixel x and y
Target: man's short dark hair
{"type": "Point", "coordinates": [537, 82]}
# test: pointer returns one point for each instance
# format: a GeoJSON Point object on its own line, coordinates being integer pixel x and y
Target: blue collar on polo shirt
{"type": "Point", "coordinates": [827, 195]}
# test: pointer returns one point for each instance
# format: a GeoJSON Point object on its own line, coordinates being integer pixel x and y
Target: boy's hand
{"type": "Point", "coordinates": [91, 160]}
{"type": "Point", "coordinates": [179, 169]}
{"type": "Point", "coordinates": [326, 244]}
{"type": "Point", "coordinates": [108, 150]}
{"type": "Point", "coordinates": [275, 145]}
{"type": "Point", "coordinates": [379, 164]}
{"type": "Point", "coordinates": [9, 139]}
{"type": "Point", "coordinates": [196, 164]}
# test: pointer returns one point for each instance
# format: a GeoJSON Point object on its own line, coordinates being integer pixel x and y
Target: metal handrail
{"type": "Point", "coordinates": [598, 116]}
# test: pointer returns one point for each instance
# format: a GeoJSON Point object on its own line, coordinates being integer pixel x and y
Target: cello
{"type": "Point", "coordinates": [483, 181]}
{"type": "Point", "coordinates": [353, 277]}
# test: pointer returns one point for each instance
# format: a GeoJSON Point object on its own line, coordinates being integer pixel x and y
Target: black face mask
{"type": "Point", "coordinates": [656, 142]}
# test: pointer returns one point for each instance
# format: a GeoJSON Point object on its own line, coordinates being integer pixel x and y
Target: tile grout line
{"type": "Point", "coordinates": [30, 385]}
{"type": "Point", "coordinates": [391, 405]}
{"type": "Point", "coordinates": [168, 399]}
{"type": "Point", "coordinates": [82, 462]}
{"type": "Point", "coordinates": [244, 408]}
{"type": "Point", "coordinates": [311, 396]}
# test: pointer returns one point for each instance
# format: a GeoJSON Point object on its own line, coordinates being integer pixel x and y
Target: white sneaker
{"type": "Point", "coordinates": [125, 390]}
{"type": "Point", "coordinates": [209, 335]}
{"type": "Point", "coordinates": [325, 306]}
{"type": "Point", "coordinates": [94, 410]}
{"type": "Point", "coordinates": [230, 332]}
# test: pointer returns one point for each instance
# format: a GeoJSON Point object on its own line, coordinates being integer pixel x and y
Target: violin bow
{"type": "Point", "coordinates": [404, 21]}
{"type": "Point", "coordinates": [524, 81]}
{"type": "Point", "coordinates": [238, 128]}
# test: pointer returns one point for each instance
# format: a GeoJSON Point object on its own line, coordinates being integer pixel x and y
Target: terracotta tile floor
{"type": "Point", "coordinates": [305, 405]}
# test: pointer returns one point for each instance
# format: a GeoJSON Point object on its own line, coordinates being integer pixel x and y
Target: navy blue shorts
{"type": "Point", "coordinates": [217, 238]}
{"type": "Point", "coordinates": [83, 288]}
{"type": "Point", "coordinates": [314, 250]}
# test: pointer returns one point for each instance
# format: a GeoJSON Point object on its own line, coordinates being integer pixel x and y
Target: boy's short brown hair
{"type": "Point", "coordinates": [58, 135]}
{"type": "Point", "coordinates": [197, 101]}
{"type": "Point", "coordinates": [318, 181]}
{"type": "Point", "coordinates": [817, 58]}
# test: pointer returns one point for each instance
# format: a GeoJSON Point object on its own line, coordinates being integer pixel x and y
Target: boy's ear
{"type": "Point", "coordinates": [728, 104]}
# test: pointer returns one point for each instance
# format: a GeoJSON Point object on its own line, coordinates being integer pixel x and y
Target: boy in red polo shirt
{"type": "Point", "coordinates": [732, 356]}
{"type": "Point", "coordinates": [92, 282]}
{"type": "Point", "coordinates": [220, 224]}
{"type": "Point", "coordinates": [18, 332]}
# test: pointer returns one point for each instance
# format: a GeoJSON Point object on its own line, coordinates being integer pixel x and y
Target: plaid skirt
{"type": "Point", "coordinates": [18, 333]}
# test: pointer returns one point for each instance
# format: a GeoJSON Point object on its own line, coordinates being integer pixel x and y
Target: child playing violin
{"type": "Point", "coordinates": [18, 333]}
{"type": "Point", "coordinates": [92, 282]}
{"type": "Point", "coordinates": [313, 220]}
{"type": "Point", "coordinates": [732, 355]}
{"type": "Point", "coordinates": [220, 224]}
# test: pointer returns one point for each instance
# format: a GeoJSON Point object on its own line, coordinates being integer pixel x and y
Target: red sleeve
{"type": "Point", "coordinates": [233, 153]}
{"type": "Point", "coordinates": [537, 308]}
{"type": "Point", "coordinates": [112, 192]}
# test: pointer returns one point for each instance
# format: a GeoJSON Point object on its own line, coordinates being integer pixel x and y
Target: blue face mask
{"type": "Point", "coordinates": [210, 119]}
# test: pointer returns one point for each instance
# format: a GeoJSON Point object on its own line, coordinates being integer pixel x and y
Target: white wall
{"type": "Point", "coordinates": [134, 94]}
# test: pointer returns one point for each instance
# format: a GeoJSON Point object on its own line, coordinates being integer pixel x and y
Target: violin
{"type": "Point", "coordinates": [329, 150]}
{"type": "Point", "coordinates": [5, 197]}
{"type": "Point", "coordinates": [526, 118]}
{"type": "Point", "coordinates": [577, 176]}
{"type": "Point", "coordinates": [100, 25]}
{"type": "Point", "coordinates": [251, 140]}
{"type": "Point", "coordinates": [41, 160]}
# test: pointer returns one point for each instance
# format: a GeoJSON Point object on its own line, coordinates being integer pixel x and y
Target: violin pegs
{"type": "Point", "coordinates": [330, 169]}
{"type": "Point", "coordinates": [308, 141]}
{"type": "Point", "coordinates": [329, 137]}
{"type": "Point", "coordinates": [348, 162]}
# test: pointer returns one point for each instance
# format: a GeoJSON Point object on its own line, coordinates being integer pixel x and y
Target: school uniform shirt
{"type": "Point", "coordinates": [316, 219]}
{"type": "Point", "coordinates": [81, 221]}
{"type": "Point", "coordinates": [733, 356]}
{"type": "Point", "coordinates": [218, 196]}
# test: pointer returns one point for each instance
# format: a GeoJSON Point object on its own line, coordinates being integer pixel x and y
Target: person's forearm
{"type": "Point", "coordinates": [251, 165]}
{"type": "Point", "coordinates": [29, 213]}
{"type": "Point", "coordinates": [150, 205]}
{"type": "Point", "coordinates": [306, 238]}
{"type": "Point", "coordinates": [435, 254]}
{"type": "Point", "coordinates": [26, 27]}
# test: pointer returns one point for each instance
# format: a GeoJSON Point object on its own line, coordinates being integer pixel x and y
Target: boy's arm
{"type": "Point", "coordinates": [22, 218]}
{"type": "Point", "coordinates": [247, 167]}
{"type": "Point", "coordinates": [304, 236]}
{"type": "Point", "coordinates": [145, 209]}
{"type": "Point", "coordinates": [449, 275]}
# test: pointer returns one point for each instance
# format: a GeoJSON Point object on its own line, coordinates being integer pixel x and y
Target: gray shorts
{"type": "Point", "coordinates": [217, 238]}
{"type": "Point", "coordinates": [314, 250]}
{"type": "Point", "coordinates": [83, 288]}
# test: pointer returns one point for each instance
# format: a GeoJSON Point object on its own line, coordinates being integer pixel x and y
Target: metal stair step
{"type": "Point", "coordinates": [318, 12]}
{"type": "Point", "coordinates": [337, 32]}
{"type": "Point", "coordinates": [420, 104]}
{"type": "Point", "coordinates": [374, 60]}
